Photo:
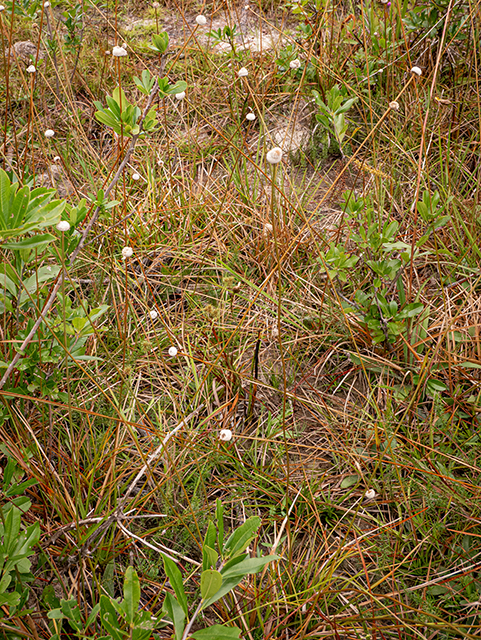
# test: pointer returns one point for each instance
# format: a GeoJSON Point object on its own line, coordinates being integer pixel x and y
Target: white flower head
{"type": "Point", "coordinates": [180, 96]}
{"type": "Point", "coordinates": [268, 228]}
{"type": "Point", "coordinates": [417, 71]}
{"type": "Point", "coordinates": [295, 64]}
{"type": "Point", "coordinates": [107, 53]}
{"type": "Point", "coordinates": [153, 314]}
{"type": "Point", "coordinates": [173, 352]}
{"type": "Point", "coordinates": [370, 494]}
{"type": "Point", "coordinates": [46, 5]}
{"type": "Point", "coordinates": [225, 435]}
{"type": "Point", "coordinates": [57, 159]}
{"type": "Point", "coordinates": [136, 176]}
{"type": "Point", "coordinates": [201, 20]}
{"type": "Point", "coordinates": [31, 69]}
{"type": "Point", "coordinates": [274, 156]}
{"type": "Point", "coordinates": [63, 225]}
{"type": "Point", "coordinates": [49, 133]}
{"type": "Point", "coordinates": [156, 5]}
{"type": "Point", "coordinates": [242, 73]}
{"type": "Point", "coordinates": [2, 8]}
{"type": "Point", "coordinates": [118, 52]}
{"type": "Point", "coordinates": [394, 105]}
{"type": "Point", "coordinates": [127, 252]}
{"type": "Point", "coordinates": [251, 117]}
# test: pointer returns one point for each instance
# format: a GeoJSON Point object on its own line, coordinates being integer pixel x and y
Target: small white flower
{"type": "Point", "coordinates": [246, 7]}
{"type": "Point", "coordinates": [156, 5]}
{"type": "Point", "coordinates": [394, 105]}
{"type": "Point", "coordinates": [242, 73]}
{"type": "Point", "coordinates": [118, 52]}
{"type": "Point", "coordinates": [49, 133]}
{"type": "Point", "coordinates": [136, 176]}
{"type": "Point", "coordinates": [107, 53]}
{"type": "Point", "coordinates": [46, 5]}
{"type": "Point", "coordinates": [274, 156]}
{"type": "Point", "coordinates": [370, 494]}
{"type": "Point", "coordinates": [251, 117]}
{"type": "Point", "coordinates": [127, 252]}
{"type": "Point", "coordinates": [295, 64]}
{"type": "Point", "coordinates": [268, 228]}
{"type": "Point", "coordinates": [225, 435]}
{"type": "Point", "coordinates": [274, 333]}
{"type": "Point", "coordinates": [180, 96]}
{"type": "Point", "coordinates": [63, 225]}
{"type": "Point", "coordinates": [416, 70]}
{"type": "Point", "coordinates": [31, 69]}
{"type": "Point", "coordinates": [2, 8]}
{"type": "Point", "coordinates": [153, 314]}
{"type": "Point", "coordinates": [201, 20]}
{"type": "Point", "coordinates": [57, 159]}
{"type": "Point", "coordinates": [173, 352]}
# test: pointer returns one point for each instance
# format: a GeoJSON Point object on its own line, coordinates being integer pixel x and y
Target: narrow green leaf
{"type": "Point", "coordinates": [176, 613]}
{"type": "Point", "coordinates": [248, 566]}
{"type": "Point", "coordinates": [131, 600]}
{"type": "Point", "coordinates": [241, 537]}
{"type": "Point", "coordinates": [175, 577]}
{"type": "Point", "coordinates": [34, 242]}
{"type": "Point", "coordinates": [349, 481]}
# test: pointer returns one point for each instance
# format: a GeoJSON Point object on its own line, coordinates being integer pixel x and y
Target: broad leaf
{"type": "Point", "coordinates": [248, 566]}
{"type": "Point", "coordinates": [175, 612]}
{"type": "Point", "coordinates": [210, 583]}
{"type": "Point", "coordinates": [131, 600]}
{"type": "Point", "coordinates": [240, 538]}
{"type": "Point", "coordinates": [218, 632]}
{"type": "Point", "coordinates": [175, 577]}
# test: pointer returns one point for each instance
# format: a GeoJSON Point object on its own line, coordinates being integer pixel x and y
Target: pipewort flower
{"type": "Point", "coordinates": [295, 64]}
{"type": "Point", "coordinates": [242, 73]}
{"type": "Point", "coordinates": [225, 435]}
{"type": "Point", "coordinates": [201, 20]}
{"type": "Point", "coordinates": [49, 133]}
{"type": "Point", "coordinates": [118, 52]}
{"type": "Point", "coordinates": [153, 314]}
{"type": "Point", "coordinates": [417, 71]}
{"type": "Point", "coordinates": [274, 156]}
{"type": "Point", "coordinates": [63, 225]}
{"type": "Point", "coordinates": [370, 494]}
{"type": "Point", "coordinates": [31, 69]}
{"type": "Point", "coordinates": [394, 105]}
{"type": "Point", "coordinates": [251, 117]}
{"type": "Point", "coordinates": [127, 252]}
{"type": "Point", "coordinates": [180, 96]}
{"type": "Point", "coordinates": [173, 352]}
{"type": "Point", "coordinates": [136, 176]}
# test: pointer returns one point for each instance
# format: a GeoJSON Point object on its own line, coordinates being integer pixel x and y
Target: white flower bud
{"type": "Point", "coordinates": [268, 228]}
{"type": "Point", "coordinates": [295, 64]}
{"type": "Point", "coordinates": [173, 352]}
{"type": "Point", "coordinates": [127, 252]}
{"type": "Point", "coordinates": [370, 494]}
{"type": "Point", "coordinates": [46, 5]}
{"type": "Point", "coordinates": [242, 73]}
{"type": "Point", "coordinates": [394, 105]}
{"type": "Point", "coordinates": [118, 52]}
{"type": "Point", "coordinates": [201, 20]}
{"type": "Point", "coordinates": [274, 156]}
{"type": "Point", "coordinates": [2, 8]}
{"type": "Point", "coordinates": [251, 117]}
{"type": "Point", "coordinates": [136, 176]}
{"type": "Point", "coordinates": [225, 435]}
{"type": "Point", "coordinates": [31, 69]}
{"type": "Point", "coordinates": [49, 133]}
{"type": "Point", "coordinates": [416, 70]}
{"type": "Point", "coordinates": [180, 96]}
{"type": "Point", "coordinates": [63, 225]}
{"type": "Point", "coordinates": [57, 159]}
{"type": "Point", "coordinates": [153, 314]}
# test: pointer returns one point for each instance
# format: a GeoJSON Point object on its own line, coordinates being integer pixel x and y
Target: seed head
{"type": "Point", "coordinates": [268, 228]}
{"type": "Point", "coordinates": [394, 105]}
{"type": "Point", "coordinates": [173, 352]}
{"type": "Point", "coordinates": [274, 156]}
{"type": "Point", "coordinates": [63, 225]}
{"type": "Point", "coordinates": [49, 133]}
{"type": "Point", "coordinates": [225, 435]}
{"type": "Point", "coordinates": [201, 20]}
{"type": "Point", "coordinates": [31, 69]}
{"type": "Point", "coordinates": [136, 176]}
{"type": "Point", "coordinates": [153, 314]}
{"type": "Point", "coordinates": [127, 252]}
{"type": "Point", "coordinates": [251, 117]}
{"type": "Point", "coordinates": [370, 494]}
{"type": "Point", "coordinates": [417, 71]}
{"type": "Point", "coordinates": [180, 96]}
{"type": "Point", "coordinates": [118, 52]}
{"type": "Point", "coordinates": [242, 73]}
{"type": "Point", "coordinates": [295, 64]}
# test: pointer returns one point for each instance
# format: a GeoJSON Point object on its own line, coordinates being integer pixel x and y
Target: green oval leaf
{"type": "Point", "coordinates": [210, 583]}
